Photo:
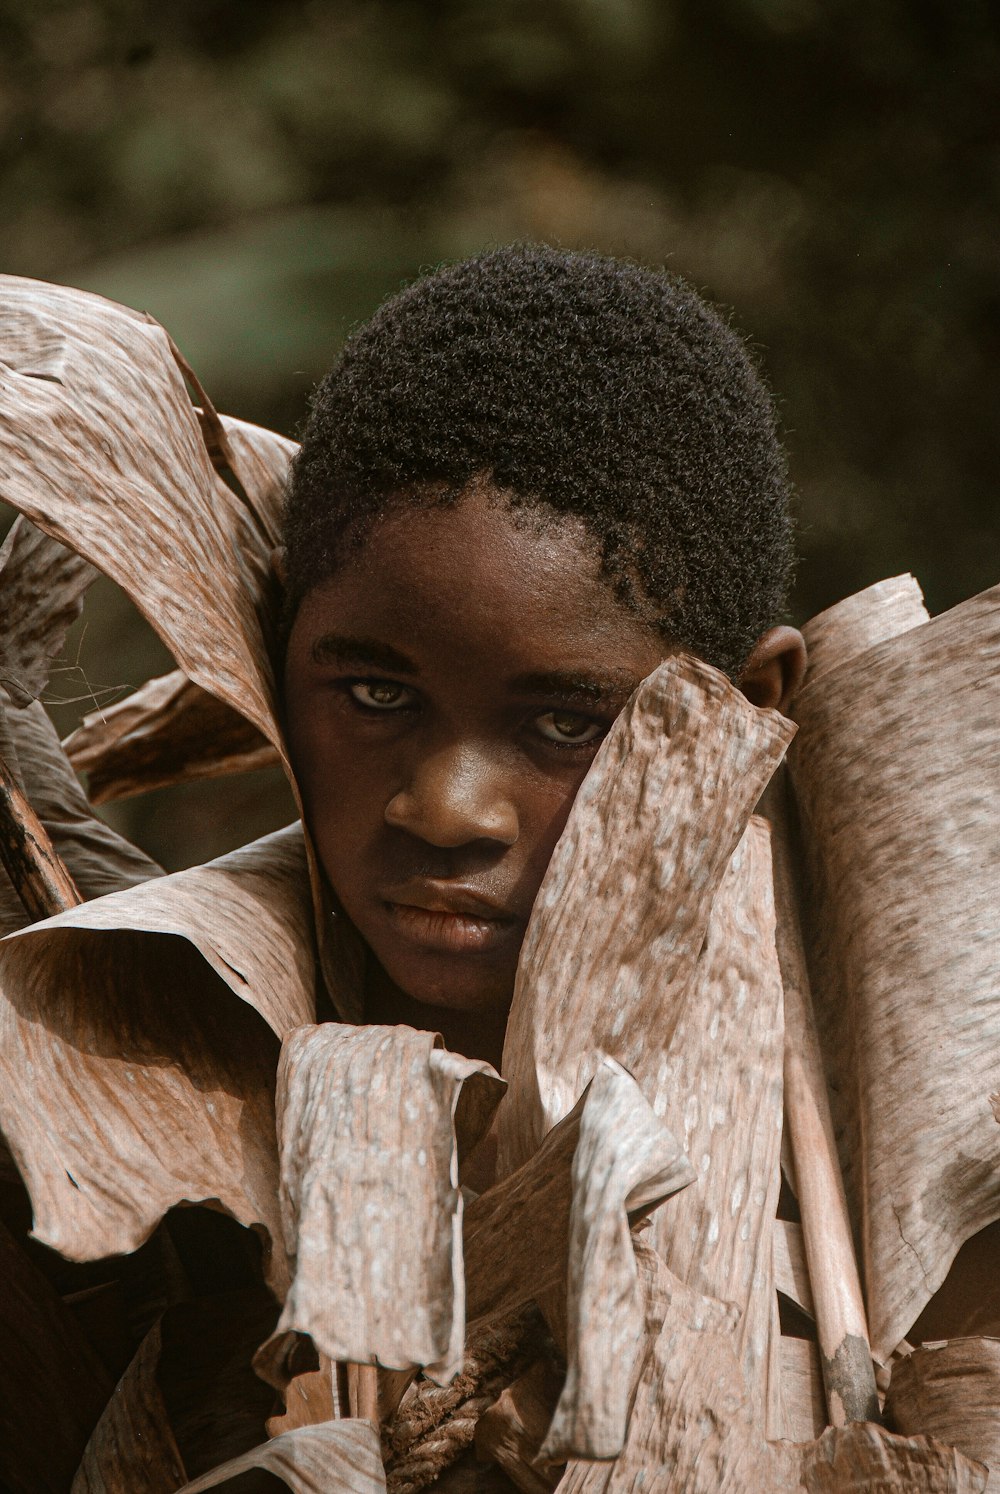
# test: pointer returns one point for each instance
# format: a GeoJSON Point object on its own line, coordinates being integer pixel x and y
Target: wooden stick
{"type": "Point", "coordinates": [34, 866]}
{"type": "Point", "coordinates": [841, 1321]}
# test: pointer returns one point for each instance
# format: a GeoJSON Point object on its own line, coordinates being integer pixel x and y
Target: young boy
{"type": "Point", "coordinates": [529, 478]}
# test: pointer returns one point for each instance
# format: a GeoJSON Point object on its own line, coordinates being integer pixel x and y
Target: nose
{"type": "Point", "coordinates": [452, 797]}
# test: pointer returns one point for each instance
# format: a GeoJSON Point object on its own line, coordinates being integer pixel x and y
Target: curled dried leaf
{"type": "Point", "coordinates": [170, 731]}
{"type": "Point", "coordinates": [620, 918]}
{"type": "Point", "coordinates": [116, 423]}
{"type": "Point", "coordinates": [900, 807]}
{"type": "Point", "coordinates": [336, 1457]}
{"type": "Point", "coordinates": [138, 1049]}
{"type": "Point", "coordinates": [952, 1391]}
{"type": "Point", "coordinates": [371, 1207]}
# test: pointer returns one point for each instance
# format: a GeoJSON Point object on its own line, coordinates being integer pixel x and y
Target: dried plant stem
{"type": "Point", "coordinates": [362, 1391]}
{"type": "Point", "coordinates": [35, 868]}
{"type": "Point", "coordinates": [841, 1322]}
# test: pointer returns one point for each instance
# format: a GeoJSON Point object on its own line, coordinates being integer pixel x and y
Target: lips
{"type": "Point", "coordinates": [448, 918]}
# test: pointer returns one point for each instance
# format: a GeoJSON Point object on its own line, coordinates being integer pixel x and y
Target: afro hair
{"type": "Point", "coordinates": [580, 385]}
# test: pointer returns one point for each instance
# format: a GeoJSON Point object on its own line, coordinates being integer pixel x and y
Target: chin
{"type": "Point", "coordinates": [455, 991]}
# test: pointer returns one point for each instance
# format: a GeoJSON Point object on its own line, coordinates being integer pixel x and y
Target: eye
{"type": "Point", "coordinates": [381, 695]}
{"type": "Point", "coordinates": [569, 728]}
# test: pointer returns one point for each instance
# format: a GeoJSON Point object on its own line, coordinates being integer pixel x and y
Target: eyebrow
{"type": "Point", "coordinates": [337, 648]}
{"type": "Point", "coordinates": [570, 686]}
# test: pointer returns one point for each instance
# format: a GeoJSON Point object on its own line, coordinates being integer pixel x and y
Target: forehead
{"type": "Point", "coordinates": [480, 581]}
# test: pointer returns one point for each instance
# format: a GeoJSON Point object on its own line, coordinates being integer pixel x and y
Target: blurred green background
{"type": "Point", "coordinates": [260, 176]}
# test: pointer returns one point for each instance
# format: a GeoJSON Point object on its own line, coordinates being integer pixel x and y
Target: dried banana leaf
{"type": "Point", "coordinates": [97, 858]}
{"type": "Point", "coordinates": [719, 1086]}
{"type": "Point", "coordinates": [624, 1159]}
{"type": "Point", "coordinates": [652, 941]}
{"type": "Point", "coordinates": [259, 459]}
{"type": "Point", "coordinates": [802, 1394]}
{"type": "Point", "coordinates": [512, 1430]}
{"type": "Point", "coordinates": [560, 1223]}
{"type": "Point", "coordinates": [895, 776]}
{"type": "Point", "coordinates": [336, 1457]}
{"type": "Point", "coordinates": [52, 1386]}
{"type": "Point", "coordinates": [42, 586]}
{"type": "Point", "coordinates": [133, 1450]}
{"type": "Point", "coordinates": [621, 915]}
{"type": "Point", "coordinates": [138, 1048]}
{"type": "Point", "coordinates": [694, 1427]}
{"type": "Point", "coordinates": [169, 731]}
{"type": "Point", "coordinates": [952, 1391]}
{"type": "Point", "coordinates": [369, 1124]}
{"type": "Point", "coordinates": [101, 447]}
{"type": "Point", "coordinates": [791, 1274]}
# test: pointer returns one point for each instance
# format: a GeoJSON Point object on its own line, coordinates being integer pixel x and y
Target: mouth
{"type": "Point", "coordinates": [452, 920]}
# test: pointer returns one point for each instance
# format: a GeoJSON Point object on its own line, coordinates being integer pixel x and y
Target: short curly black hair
{"type": "Point", "coordinates": [580, 384]}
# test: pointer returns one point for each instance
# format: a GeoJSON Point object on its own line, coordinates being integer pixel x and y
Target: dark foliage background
{"type": "Point", "coordinates": [260, 175]}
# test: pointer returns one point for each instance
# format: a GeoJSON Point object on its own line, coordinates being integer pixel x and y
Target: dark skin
{"type": "Point", "coordinates": [446, 692]}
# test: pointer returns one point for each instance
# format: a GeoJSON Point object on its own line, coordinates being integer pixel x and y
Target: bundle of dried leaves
{"type": "Point", "coordinates": [251, 1259]}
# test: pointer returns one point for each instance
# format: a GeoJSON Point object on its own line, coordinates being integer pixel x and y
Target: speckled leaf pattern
{"type": "Point", "coordinates": [622, 912]}
{"type": "Point", "coordinates": [371, 1207]}
{"type": "Point", "coordinates": [693, 1428]}
{"type": "Point", "coordinates": [652, 941]}
{"type": "Point", "coordinates": [895, 774]}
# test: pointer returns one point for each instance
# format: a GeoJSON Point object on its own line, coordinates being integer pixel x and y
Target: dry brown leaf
{"type": "Point", "coordinates": [512, 1430]}
{"type": "Point", "coordinates": [856, 623]}
{"type": "Point", "coordinates": [517, 1235]}
{"type": "Point", "coordinates": [693, 1426]}
{"type": "Point", "coordinates": [336, 1457]}
{"type": "Point", "coordinates": [625, 1160]}
{"type": "Point", "coordinates": [169, 731]}
{"type": "Point", "coordinates": [310, 1397]}
{"type": "Point", "coordinates": [97, 858]}
{"type": "Point", "coordinates": [952, 1391]}
{"type": "Point", "coordinates": [802, 1394]}
{"type": "Point", "coordinates": [101, 448]}
{"type": "Point", "coordinates": [188, 1401]}
{"type": "Point", "coordinates": [42, 585]}
{"type": "Point", "coordinates": [132, 1450]}
{"type": "Point", "coordinates": [621, 915]}
{"type": "Point", "coordinates": [556, 1231]}
{"type": "Point", "coordinates": [139, 1065]}
{"type": "Point", "coordinates": [719, 1086]}
{"type": "Point", "coordinates": [259, 459]}
{"type": "Point", "coordinates": [52, 1386]}
{"type": "Point", "coordinates": [791, 1274]}
{"type": "Point", "coordinates": [371, 1207]}
{"type": "Point", "coordinates": [900, 805]}
{"type": "Point", "coordinates": [652, 940]}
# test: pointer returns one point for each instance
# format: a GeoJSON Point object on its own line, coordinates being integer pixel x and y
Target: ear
{"type": "Point", "coordinates": [775, 668]}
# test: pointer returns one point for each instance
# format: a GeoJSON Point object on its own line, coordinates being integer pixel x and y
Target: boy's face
{"type": "Point", "coordinates": [446, 692]}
